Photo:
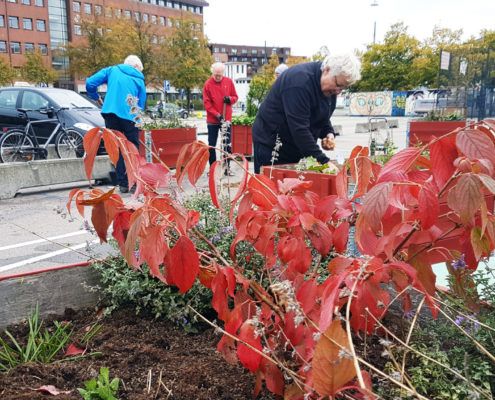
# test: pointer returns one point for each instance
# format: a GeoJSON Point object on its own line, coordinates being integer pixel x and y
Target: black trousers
{"type": "Point", "coordinates": [131, 132]}
{"type": "Point", "coordinates": [212, 141]}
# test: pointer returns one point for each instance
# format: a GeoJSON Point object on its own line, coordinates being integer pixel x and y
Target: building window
{"type": "Point", "coordinates": [40, 25]}
{"type": "Point", "coordinates": [11, 1]}
{"type": "Point", "coordinates": [15, 47]}
{"type": "Point", "coordinates": [29, 47]}
{"type": "Point", "coordinates": [177, 6]}
{"type": "Point", "coordinates": [2, 21]}
{"type": "Point", "coordinates": [254, 51]}
{"type": "Point", "coordinates": [98, 9]}
{"type": "Point", "coordinates": [233, 51]}
{"type": "Point", "coordinates": [223, 49]}
{"type": "Point", "coordinates": [162, 21]}
{"type": "Point", "coordinates": [87, 8]}
{"type": "Point", "coordinates": [154, 39]}
{"type": "Point", "coordinates": [77, 30]}
{"type": "Point", "coordinates": [215, 49]}
{"type": "Point", "coordinates": [38, 3]}
{"type": "Point", "coordinates": [137, 16]}
{"type": "Point", "coordinates": [169, 4]}
{"type": "Point", "coordinates": [244, 51]}
{"type": "Point", "coordinates": [76, 6]}
{"type": "Point", "coordinates": [184, 7]}
{"type": "Point", "coordinates": [127, 14]}
{"type": "Point", "coordinates": [170, 22]}
{"type": "Point", "coordinates": [3, 46]}
{"type": "Point", "coordinates": [237, 68]}
{"type": "Point", "coordinates": [14, 22]}
{"type": "Point", "coordinates": [145, 18]}
{"type": "Point", "coordinates": [26, 2]}
{"type": "Point", "coordinates": [108, 12]}
{"type": "Point", "coordinates": [43, 48]}
{"type": "Point", "coordinates": [153, 19]}
{"type": "Point", "coordinates": [27, 23]}
{"type": "Point", "coordinates": [161, 3]}
{"type": "Point", "coordinates": [117, 12]}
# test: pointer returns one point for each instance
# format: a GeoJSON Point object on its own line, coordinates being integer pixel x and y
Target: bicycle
{"type": "Point", "coordinates": [21, 145]}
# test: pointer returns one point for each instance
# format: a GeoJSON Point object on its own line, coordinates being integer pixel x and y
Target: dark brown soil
{"type": "Point", "coordinates": [137, 350]}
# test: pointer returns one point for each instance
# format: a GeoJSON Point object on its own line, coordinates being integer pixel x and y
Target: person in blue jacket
{"type": "Point", "coordinates": [122, 80]}
{"type": "Point", "coordinates": [297, 110]}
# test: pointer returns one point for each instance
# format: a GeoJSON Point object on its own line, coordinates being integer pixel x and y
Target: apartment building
{"type": "Point", "coordinates": [254, 56]}
{"type": "Point", "coordinates": [48, 25]}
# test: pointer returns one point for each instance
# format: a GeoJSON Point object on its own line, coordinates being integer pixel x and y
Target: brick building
{"type": "Point", "coordinates": [254, 56]}
{"type": "Point", "coordinates": [49, 25]}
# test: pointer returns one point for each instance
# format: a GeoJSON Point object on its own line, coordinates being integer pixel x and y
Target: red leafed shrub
{"type": "Point", "coordinates": [293, 328]}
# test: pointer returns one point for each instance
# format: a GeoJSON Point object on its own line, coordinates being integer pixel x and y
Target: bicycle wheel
{"type": "Point", "coordinates": [69, 144]}
{"type": "Point", "coordinates": [16, 146]}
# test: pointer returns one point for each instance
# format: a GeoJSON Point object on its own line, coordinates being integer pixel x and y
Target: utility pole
{"type": "Point", "coordinates": [374, 4]}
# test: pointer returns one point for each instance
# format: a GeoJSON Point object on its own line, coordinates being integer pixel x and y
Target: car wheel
{"type": "Point", "coordinates": [185, 115]}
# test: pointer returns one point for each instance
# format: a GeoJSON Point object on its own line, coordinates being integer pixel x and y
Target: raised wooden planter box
{"type": "Point", "coordinates": [323, 184]}
{"type": "Point", "coordinates": [167, 143]}
{"type": "Point", "coordinates": [242, 140]}
{"type": "Point", "coordinates": [424, 131]}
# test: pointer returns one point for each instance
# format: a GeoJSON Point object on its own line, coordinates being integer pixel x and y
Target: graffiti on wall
{"type": "Point", "coordinates": [370, 103]}
{"type": "Point", "coordinates": [399, 104]}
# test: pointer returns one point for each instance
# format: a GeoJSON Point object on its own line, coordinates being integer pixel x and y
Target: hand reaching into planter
{"type": "Point", "coordinates": [328, 143]}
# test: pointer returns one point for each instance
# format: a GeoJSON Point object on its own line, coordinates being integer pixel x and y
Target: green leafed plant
{"type": "Point", "coordinates": [42, 345]}
{"type": "Point", "coordinates": [101, 388]}
{"type": "Point", "coordinates": [243, 120]}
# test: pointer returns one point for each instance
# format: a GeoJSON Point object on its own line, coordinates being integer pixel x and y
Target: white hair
{"type": "Point", "coordinates": [281, 68]}
{"type": "Point", "coordinates": [134, 61]}
{"type": "Point", "coordinates": [343, 64]}
{"type": "Point", "coordinates": [217, 65]}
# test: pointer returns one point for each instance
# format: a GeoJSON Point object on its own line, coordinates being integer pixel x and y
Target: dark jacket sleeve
{"type": "Point", "coordinates": [328, 127]}
{"type": "Point", "coordinates": [296, 103]}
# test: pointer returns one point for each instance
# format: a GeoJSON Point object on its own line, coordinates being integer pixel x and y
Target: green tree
{"type": "Point", "coordinates": [103, 43]}
{"type": "Point", "coordinates": [34, 70]}
{"type": "Point", "coordinates": [260, 85]}
{"type": "Point", "coordinates": [186, 58]}
{"type": "Point", "coordinates": [7, 73]}
{"type": "Point", "coordinates": [389, 65]}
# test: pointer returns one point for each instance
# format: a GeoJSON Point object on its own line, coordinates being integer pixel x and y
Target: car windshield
{"type": "Point", "coordinates": [70, 99]}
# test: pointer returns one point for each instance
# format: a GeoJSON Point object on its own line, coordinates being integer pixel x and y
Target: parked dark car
{"type": "Point", "coordinates": [81, 114]}
{"type": "Point", "coordinates": [167, 109]}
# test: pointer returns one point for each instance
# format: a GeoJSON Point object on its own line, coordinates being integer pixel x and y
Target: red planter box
{"type": "Point", "coordinates": [323, 184]}
{"type": "Point", "coordinates": [424, 131]}
{"type": "Point", "coordinates": [167, 143]}
{"type": "Point", "coordinates": [242, 139]}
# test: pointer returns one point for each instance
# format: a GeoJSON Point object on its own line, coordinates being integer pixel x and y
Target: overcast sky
{"type": "Point", "coordinates": [345, 25]}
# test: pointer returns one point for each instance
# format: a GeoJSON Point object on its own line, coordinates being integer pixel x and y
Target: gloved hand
{"type": "Point", "coordinates": [226, 100]}
{"type": "Point", "coordinates": [220, 118]}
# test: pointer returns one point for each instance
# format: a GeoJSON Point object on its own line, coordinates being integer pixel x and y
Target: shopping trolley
{"type": "Point", "coordinates": [380, 136]}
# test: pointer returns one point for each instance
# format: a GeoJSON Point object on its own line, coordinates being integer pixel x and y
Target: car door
{"type": "Point", "coordinates": [9, 116]}
{"type": "Point", "coordinates": [35, 101]}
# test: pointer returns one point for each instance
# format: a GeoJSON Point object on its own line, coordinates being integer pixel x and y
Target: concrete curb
{"type": "Point", "coordinates": [16, 176]}
{"type": "Point", "coordinates": [53, 291]}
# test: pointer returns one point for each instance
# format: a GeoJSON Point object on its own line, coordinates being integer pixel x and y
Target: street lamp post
{"type": "Point", "coordinates": [374, 4]}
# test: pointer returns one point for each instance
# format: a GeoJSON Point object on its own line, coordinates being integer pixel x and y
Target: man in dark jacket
{"type": "Point", "coordinates": [296, 112]}
{"type": "Point", "coordinates": [125, 82]}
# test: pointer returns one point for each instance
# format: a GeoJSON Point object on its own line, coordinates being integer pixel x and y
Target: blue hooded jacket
{"type": "Point", "coordinates": [122, 80]}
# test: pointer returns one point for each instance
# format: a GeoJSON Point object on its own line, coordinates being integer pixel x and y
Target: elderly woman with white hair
{"type": "Point", "coordinates": [122, 80]}
{"type": "Point", "coordinates": [219, 95]}
{"type": "Point", "coordinates": [298, 108]}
